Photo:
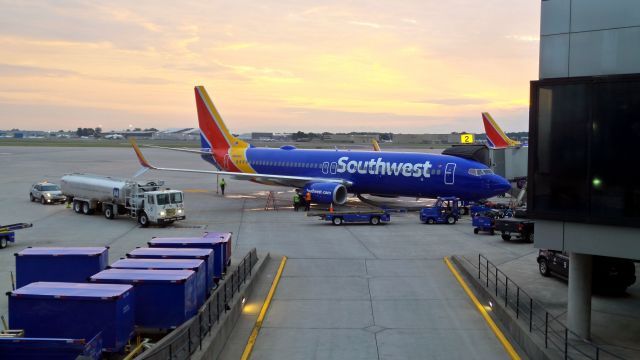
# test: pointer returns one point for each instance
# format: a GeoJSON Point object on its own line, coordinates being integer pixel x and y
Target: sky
{"type": "Point", "coordinates": [410, 66]}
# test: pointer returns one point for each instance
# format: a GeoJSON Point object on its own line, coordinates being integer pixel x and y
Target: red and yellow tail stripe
{"type": "Point", "coordinates": [495, 134]}
{"type": "Point", "coordinates": [229, 152]}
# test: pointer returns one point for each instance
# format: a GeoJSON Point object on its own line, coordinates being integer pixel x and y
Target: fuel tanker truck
{"type": "Point", "coordinates": [145, 200]}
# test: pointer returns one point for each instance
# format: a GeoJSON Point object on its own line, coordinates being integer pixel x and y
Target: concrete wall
{"type": "Point", "coordinates": [589, 38]}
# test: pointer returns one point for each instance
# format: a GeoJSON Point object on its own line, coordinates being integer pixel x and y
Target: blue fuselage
{"type": "Point", "coordinates": [383, 173]}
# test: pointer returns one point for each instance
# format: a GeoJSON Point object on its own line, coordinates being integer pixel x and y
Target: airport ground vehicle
{"type": "Point", "coordinates": [610, 274]}
{"type": "Point", "coordinates": [521, 228]}
{"type": "Point", "coordinates": [483, 221]}
{"type": "Point", "coordinates": [444, 211]}
{"type": "Point", "coordinates": [7, 233]}
{"type": "Point", "coordinates": [144, 200]}
{"type": "Point", "coordinates": [373, 217]}
{"type": "Point", "coordinates": [46, 193]}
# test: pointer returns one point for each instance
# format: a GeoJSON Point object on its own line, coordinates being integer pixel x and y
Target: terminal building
{"type": "Point", "coordinates": [584, 188]}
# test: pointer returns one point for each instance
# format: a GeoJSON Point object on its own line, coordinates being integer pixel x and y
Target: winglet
{"type": "Point", "coordinates": [376, 146]}
{"type": "Point", "coordinates": [141, 158]}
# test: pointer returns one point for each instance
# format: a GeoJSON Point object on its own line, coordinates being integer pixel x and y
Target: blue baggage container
{"type": "Point", "coordinates": [50, 349]}
{"type": "Point", "coordinates": [224, 240]}
{"type": "Point", "coordinates": [63, 264]}
{"type": "Point", "coordinates": [75, 311]}
{"type": "Point", "coordinates": [195, 265]}
{"type": "Point", "coordinates": [179, 253]}
{"type": "Point", "coordinates": [164, 299]}
{"type": "Point", "coordinates": [219, 246]}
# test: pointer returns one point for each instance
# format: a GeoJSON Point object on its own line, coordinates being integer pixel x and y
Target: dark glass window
{"type": "Point", "coordinates": [615, 168]}
{"type": "Point", "coordinates": [583, 157]}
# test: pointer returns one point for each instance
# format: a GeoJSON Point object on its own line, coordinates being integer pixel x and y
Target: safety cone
{"type": "Point", "coordinates": [331, 208]}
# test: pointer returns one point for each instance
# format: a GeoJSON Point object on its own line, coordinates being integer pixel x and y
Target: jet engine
{"type": "Point", "coordinates": [326, 193]}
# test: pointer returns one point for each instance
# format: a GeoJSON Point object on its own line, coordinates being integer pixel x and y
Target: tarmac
{"type": "Point", "coordinates": [347, 292]}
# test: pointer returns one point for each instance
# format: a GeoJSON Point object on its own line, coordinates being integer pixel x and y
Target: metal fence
{"type": "Point", "coordinates": [536, 318]}
{"type": "Point", "coordinates": [182, 342]}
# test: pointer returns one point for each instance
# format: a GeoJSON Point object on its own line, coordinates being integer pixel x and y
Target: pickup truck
{"type": "Point", "coordinates": [521, 228]}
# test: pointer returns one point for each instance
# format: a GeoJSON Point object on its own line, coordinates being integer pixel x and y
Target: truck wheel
{"type": "Point", "coordinates": [451, 220]}
{"type": "Point", "coordinates": [476, 230]}
{"type": "Point", "coordinates": [108, 212]}
{"type": "Point", "coordinates": [337, 221]}
{"type": "Point", "coordinates": [77, 206]}
{"type": "Point", "coordinates": [85, 208]}
{"type": "Point", "coordinates": [543, 267]}
{"type": "Point", "coordinates": [506, 237]}
{"type": "Point", "coordinates": [374, 220]}
{"type": "Point", "coordinates": [143, 220]}
{"type": "Point", "coordinates": [431, 221]}
{"type": "Point", "coordinates": [42, 200]}
{"type": "Point", "coordinates": [3, 243]}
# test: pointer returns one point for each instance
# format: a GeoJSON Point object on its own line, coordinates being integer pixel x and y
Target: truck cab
{"type": "Point", "coordinates": [161, 207]}
{"type": "Point", "coordinates": [444, 211]}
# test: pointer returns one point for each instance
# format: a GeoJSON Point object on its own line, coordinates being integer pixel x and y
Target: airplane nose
{"type": "Point", "coordinates": [500, 185]}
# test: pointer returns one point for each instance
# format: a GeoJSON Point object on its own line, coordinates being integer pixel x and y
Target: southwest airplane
{"type": "Point", "coordinates": [496, 138]}
{"type": "Point", "coordinates": [329, 175]}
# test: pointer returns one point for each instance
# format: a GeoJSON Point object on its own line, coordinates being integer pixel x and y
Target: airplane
{"type": "Point", "coordinates": [330, 175]}
{"type": "Point", "coordinates": [496, 138]}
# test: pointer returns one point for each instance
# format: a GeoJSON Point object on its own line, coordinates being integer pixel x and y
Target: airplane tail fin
{"type": "Point", "coordinates": [496, 138]}
{"type": "Point", "coordinates": [376, 146]}
{"type": "Point", "coordinates": [213, 132]}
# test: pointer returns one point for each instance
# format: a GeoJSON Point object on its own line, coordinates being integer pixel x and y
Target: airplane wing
{"type": "Point", "coordinates": [270, 179]}
{"type": "Point", "coordinates": [204, 151]}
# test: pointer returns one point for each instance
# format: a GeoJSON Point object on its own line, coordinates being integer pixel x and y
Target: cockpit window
{"type": "Point", "coordinates": [479, 172]}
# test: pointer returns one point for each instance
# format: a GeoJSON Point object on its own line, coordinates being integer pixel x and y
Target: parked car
{"type": "Point", "coordinates": [610, 274]}
{"type": "Point", "coordinates": [46, 193]}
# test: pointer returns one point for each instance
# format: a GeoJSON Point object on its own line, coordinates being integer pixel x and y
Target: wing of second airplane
{"type": "Point", "coordinates": [271, 179]}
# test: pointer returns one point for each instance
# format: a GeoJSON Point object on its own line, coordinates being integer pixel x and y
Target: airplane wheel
{"type": "Point", "coordinates": [337, 221]}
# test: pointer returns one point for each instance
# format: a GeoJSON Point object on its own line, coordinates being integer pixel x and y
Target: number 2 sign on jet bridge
{"type": "Point", "coordinates": [466, 138]}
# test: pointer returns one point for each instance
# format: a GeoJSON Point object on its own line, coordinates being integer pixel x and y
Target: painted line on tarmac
{"type": "Point", "coordinates": [263, 312]}
{"type": "Point", "coordinates": [503, 340]}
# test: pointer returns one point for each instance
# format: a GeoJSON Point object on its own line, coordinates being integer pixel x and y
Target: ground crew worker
{"type": "Point", "coordinates": [307, 200]}
{"type": "Point", "coordinates": [222, 185]}
{"type": "Point", "coordinates": [296, 200]}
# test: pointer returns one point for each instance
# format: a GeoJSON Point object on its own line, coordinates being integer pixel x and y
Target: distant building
{"type": "Point", "coordinates": [350, 138]}
{"type": "Point", "coordinates": [189, 134]}
{"type": "Point", "coordinates": [428, 139]}
{"type": "Point", "coordinates": [261, 136]}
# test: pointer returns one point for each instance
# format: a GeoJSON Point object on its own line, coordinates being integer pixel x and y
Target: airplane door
{"type": "Point", "coordinates": [449, 172]}
{"type": "Point", "coordinates": [333, 167]}
{"type": "Point", "coordinates": [325, 167]}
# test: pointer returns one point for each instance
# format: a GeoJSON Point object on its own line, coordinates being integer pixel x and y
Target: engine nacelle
{"type": "Point", "coordinates": [327, 193]}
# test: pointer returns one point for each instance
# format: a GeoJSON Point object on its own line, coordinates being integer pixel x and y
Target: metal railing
{"type": "Point", "coordinates": [536, 318]}
{"type": "Point", "coordinates": [182, 342]}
